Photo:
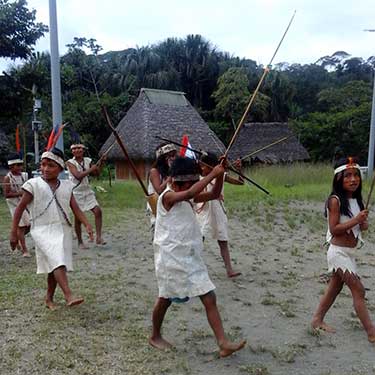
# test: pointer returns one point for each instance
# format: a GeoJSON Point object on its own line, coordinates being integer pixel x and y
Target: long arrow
{"type": "Point", "coordinates": [205, 153]}
{"type": "Point", "coordinates": [266, 70]}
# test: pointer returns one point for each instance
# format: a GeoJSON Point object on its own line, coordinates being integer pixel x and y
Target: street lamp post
{"type": "Point", "coordinates": [371, 142]}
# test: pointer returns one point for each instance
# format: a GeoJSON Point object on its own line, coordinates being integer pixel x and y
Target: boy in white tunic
{"type": "Point", "coordinates": [346, 216]}
{"type": "Point", "coordinates": [180, 270]}
{"type": "Point", "coordinates": [13, 182]}
{"type": "Point", "coordinates": [212, 216]}
{"type": "Point", "coordinates": [48, 200]}
{"type": "Point", "coordinates": [79, 169]}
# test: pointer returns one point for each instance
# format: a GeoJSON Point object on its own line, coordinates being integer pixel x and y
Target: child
{"type": "Point", "coordinates": [346, 218]}
{"type": "Point", "coordinates": [13, 193]}
{"type": "Point", "coordinates": [79, 169]}
{"type": "Point", "coordinates": [212, 215]}
{"type": "Point", "coordinates": [159, 172]}
{"type": "Point", "coordinates": [48, 200]}
{"type": "Point", "coordinates": [180, 270]}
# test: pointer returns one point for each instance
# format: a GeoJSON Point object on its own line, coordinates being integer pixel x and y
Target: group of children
{"type": "Point", "coordinates": [187, 189]}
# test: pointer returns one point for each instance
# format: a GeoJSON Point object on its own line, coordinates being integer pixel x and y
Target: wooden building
{"type": "Point", "coordinates": [167, 114]}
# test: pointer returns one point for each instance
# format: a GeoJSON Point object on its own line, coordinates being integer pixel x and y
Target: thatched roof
{"type": "Point", "coordinates": [167, 114]}
{"type": "Point", "coordinates": [254, 136]}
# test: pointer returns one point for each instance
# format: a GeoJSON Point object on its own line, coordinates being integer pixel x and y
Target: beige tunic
{"type": "Point", "coordinates": [16, 182]}
{"type": "Point", "coordinates": [82, 191]}
{"type": "Point", "coordinates": [340, 257]}
{"type": "Point", "coordinates": [50, 230]}
{"type": "Point", "coordinates": [180, 269]}
{"type": "Point", "coordinates": [212, 217]}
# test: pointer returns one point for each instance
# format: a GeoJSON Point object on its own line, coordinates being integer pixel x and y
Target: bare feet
{"type": "Point", "coordinates": [26, 255]}
{"type": "Point", "coordinates": [100, 241]}
{"type": "Point", "coordinates": [228, 348]}
{"type": "Point", "coordinates": [371, 335]}
{"type": "Point", "coordinates": [83, 246]}
{"type": "Point", "coordinates": [74, 301]}
{"type": "Point", "coordinates": [159, 343]}
{"type": "Point", "coordinates": [315, 324]}
{"type": "Point", "coordinates": [233, 274]}
{"type": "Point", "coordinates": [50, 305]}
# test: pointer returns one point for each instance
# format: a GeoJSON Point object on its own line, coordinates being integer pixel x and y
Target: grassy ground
{"type": "Point", "coordinates": [276, 243]}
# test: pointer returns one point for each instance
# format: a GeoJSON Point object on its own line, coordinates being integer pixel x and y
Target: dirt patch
{"type": "Point", "coordinates": [279, 252]}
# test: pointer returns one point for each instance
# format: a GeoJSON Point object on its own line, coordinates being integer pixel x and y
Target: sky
{"type": "Point", "coordinates": [244, 28]}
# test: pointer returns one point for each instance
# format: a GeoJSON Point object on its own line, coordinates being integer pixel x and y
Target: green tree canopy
{"type": "Point", "coordinates": [18, 29]}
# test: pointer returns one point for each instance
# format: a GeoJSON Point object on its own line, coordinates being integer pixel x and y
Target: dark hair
{"type": "Point", "coordinates": [184, 166]}
{"type": "Point", "coordinates": [209, 158]}
{"type": "Point", "coordinates": [56, 151]}
{"type": "Point", "coordinates": [13, 156]}
{"type": "Point", "coordinates": [338, 190]}
{"type": "Point", "coordinates": [161, 163]}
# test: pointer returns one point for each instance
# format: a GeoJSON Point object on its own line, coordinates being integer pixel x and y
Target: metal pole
{"type": "Point", "coordinates": [371, 142]}
{"type": "Point", "coordinates": [55, 72]}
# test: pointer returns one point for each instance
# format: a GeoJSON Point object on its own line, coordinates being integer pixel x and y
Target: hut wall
{"type": "Point", "coordinates": [125, 172]}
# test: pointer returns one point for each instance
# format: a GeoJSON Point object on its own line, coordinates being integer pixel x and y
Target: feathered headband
{"type": "Point", "coordinates": [165, 150]}
{"type": "Point", "coordinates": [351, 164]}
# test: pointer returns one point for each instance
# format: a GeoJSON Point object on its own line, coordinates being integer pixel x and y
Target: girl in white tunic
{"type": "Point", "coordinates": [13, 182]}
{"type": "Point", "coordinates": [346, 218]}
{"type": "Point", "coordinates": [79, 169]}
{"type": "Point", "coordinates": [48, 200]}
{"type": "Point", "coordinates": [180, 269]}
{"type": "Point", "coordinates": [212, 216]}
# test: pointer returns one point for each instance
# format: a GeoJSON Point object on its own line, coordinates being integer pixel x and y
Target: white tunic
{"type": "Point", "coordinates": [179, 266]}
{"type": "Point", "coordinates": [49, 228]}
{"type": "Point", "coordinates": [340, 257]}
{"type": "Point", "coordinates": [151, 190]}
{"type": "Point", "coordinates": [82, 191]}
{"type": "Point", "coordinates": [16, 182]}
{"type": "Point", "coordinates": [212, 217]}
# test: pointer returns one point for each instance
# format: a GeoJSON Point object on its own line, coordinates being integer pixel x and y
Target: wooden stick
{"type": "Point", "coordinates": [122, 146]}
{"type": "Point", "coordinates": [266, 70]}
{"type": "Point", "coordinates": [265, 147]}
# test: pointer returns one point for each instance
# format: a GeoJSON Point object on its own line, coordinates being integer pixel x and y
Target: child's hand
{"type": "Point", "coordinates": [362, 216]}
{"type": "Point", "coordinates": [364, 225]}
{"type": "Point", "coordinates": [13, 239]}
{"type": "Point", "coordinates": [90, 232]}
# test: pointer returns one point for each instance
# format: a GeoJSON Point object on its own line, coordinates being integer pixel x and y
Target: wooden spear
{"type": "Point", "coordinates": [151, 198]}
{"type": "Point", "coordinates": [266, 70]}
{"type": "Point", "coordinates": [265, 147]}
{"type": "Point", "coordinates": [370, 192]}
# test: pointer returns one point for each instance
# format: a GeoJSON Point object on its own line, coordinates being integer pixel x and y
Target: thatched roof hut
{"type": "Point", "coordinates": [166, 114]}
{"type": "Point", "coordinates": [254, 136]}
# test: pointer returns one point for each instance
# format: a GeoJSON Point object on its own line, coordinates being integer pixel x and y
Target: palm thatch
{"type": "Point", "coordinates": [254, 136]}
{"type": "Point", "coordinates": [166, 114]}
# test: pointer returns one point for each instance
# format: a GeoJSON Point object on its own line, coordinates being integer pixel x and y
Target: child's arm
{"type": "Point", "coordinates": [235, 181]}
{"type": "Point", "coordinates": [335, 227]}
{"type": "Point", "coordinates": [171, 197]}
{"type": "Point", "coordinates": [80, 175]}
{"type": "Point", "coordinates": [155, 181]}
{"type": "Point", "coordinates": [7, 191]}
{"type": "Point", "coordinates": [25, 200]}
{"type": "Point", "coordinates": [81, 217]}
{"type": "Point", "coordinates": [215, 193]}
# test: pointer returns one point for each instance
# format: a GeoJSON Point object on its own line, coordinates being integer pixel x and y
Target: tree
{"type": "Point", "coordinates": [18, 29]}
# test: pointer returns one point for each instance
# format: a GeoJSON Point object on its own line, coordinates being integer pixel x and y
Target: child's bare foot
{"type": "Point", "coordinates": [228, 348]}
{"type": "Point", "coordinates": [50, 305]}
{"type": "Point", "coordinates": [232, 274]}
{"type": "Point", "coordinates": [26, 255]}
{"type": "Point", "coordinates": [100, 241]}
{"type": "Point", "coordinates": [83, 246]}
{"type": "Point", "coordinates": [159, 343]}
{"type": "Point", "coordinates": [316, 324]}
{"type": "Point", "coordinates": [74, 301]}
{"type": "Point", "coordinates": [371, 335]}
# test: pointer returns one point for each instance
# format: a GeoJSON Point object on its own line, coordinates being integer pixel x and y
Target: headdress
{"type": "Point", "coordinates": [165, 150]}
{"type": "Point", "coordinates": [14, 159]}
{"type": "Point", "coordinates": [77, 145]}
{"type": "Point", "coordinates": [56, 158]}
{"type": "Point", "coordinates": [350, 164]}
